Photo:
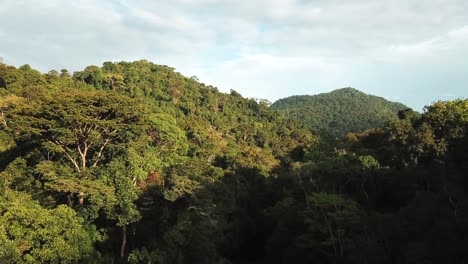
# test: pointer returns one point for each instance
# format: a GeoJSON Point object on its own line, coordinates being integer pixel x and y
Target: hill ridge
{"type": "Point", "coordinates": [339, 111]}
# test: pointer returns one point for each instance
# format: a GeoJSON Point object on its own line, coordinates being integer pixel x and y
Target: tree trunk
{"type": "Point", "coordinates": [70, 198]}
{"type": "Point", "coordinates": [133, 235]}
{"type": "Point", "coordinates": [81, 197]}
{"type": "Point", "coordinates": [124, 241]}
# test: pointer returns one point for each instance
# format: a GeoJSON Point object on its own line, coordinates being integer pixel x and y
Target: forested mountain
{"type": "Point", "coordinates": [132, 148]}
{"type": "Point", "coordinates": [340, 111]}
{"type": "Point", "coordinates": [132, 162]}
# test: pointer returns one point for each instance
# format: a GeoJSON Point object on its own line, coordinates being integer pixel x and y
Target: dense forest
{"type": "Point", "coordinates": [132, 162]}
{"type": "Point", "coordinates": [339, 112]}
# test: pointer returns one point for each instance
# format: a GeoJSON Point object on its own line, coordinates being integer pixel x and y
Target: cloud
{"type": "Point", "coordinates": [73, 34]}
{"type": "Point", "coordinates": [272, 76]}
{"type": "Point", "coordinates": [447, 47]}
{"type": "Point", "coordinates": [260, 48]}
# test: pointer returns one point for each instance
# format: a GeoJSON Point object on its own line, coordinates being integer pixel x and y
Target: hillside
{"type": "Point", "coordinates": [340, 111]}
{"type": "Point", "coordinates": [113, 146]}
{"type": "Point", "coordinates": [135, 163]}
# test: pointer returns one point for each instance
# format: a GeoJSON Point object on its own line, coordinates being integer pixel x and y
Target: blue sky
{"type": "Point", "coordinates": [412, 51]}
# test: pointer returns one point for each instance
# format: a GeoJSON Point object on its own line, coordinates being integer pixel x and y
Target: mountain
{"type": "Point", "coordinates": [133, 162]}
{"type": "Point", "coordinates": [131, 144]}
{"type": "Point", "coordinates": [340, 111]}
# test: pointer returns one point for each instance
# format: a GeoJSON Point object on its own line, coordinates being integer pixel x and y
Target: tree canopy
{"type": "Point", "coordinates": [133, 162]}
{"type": "Point", "coordinates": [339, 112]}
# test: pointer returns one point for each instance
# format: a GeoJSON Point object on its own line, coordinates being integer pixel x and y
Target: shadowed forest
{"type": "Point", "coordinates": [132, 162]}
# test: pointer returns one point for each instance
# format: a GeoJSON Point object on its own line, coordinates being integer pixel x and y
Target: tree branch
{"type": "Point", "coordinates": [85, 153]}
{"type": "Point", "coordinates": [2, 117]}
{"type": "Point", "coordinates": [67, 155]}
{"type": "Point", "coordinates": [100, 152]}
{"type": "Point", "coordinates": [82, 154]}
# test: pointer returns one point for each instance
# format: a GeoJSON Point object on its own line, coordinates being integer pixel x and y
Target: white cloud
{"type": "Point", "coordinates": [459, 33]}
{"type": "Point", "coordinates": [272, 77]}
{"type": "Point", "coordinates": [448, 48]}
{"type": "Point", "coordinates": [260, 48]}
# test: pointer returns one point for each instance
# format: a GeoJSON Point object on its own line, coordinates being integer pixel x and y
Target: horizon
{"type": "Point", "coordinates": [263, 98]}
{"type": "Point", "coordinates": [404, 52]}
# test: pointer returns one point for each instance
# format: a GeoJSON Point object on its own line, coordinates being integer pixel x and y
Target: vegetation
{"type": "Point", "coordinates": [339, 112]}
{"type": "Point", "coordinates": [135, 163]}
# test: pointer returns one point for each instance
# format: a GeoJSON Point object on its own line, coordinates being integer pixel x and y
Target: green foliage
{"type": "Point", "coordinates": [134, 163]}
{"type": "Point", "coordinates": [339, 112]}
{"type": "Point", "coordinates": [369, 162]}
{"type": "Point", "coordinates": [136, 145]}
{"type": "Point", "coordinates": [42, 235]}
{"type": "Point", "coordinates": [15, 176]}
{"type": "Point", "coordinates": [331, 221]}
{"type": "Point", "coordinates": [9, 254]}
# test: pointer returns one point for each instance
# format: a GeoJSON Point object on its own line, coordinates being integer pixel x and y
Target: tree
{"type": "Point", "coordinates": [79, 126]}
{"type": "Point", "coordinates": [92, 75]}
{"type": "Point", "coordinates": [90, 129]}
{"type": "Point", "coordinates": [41, 235]}
{"type": "Point", "coordinates": [9, 254]}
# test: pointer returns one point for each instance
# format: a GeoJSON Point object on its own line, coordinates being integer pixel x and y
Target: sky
{"type": "Point", "coordinates": [411, 51]}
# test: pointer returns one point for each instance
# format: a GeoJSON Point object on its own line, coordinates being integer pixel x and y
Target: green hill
{"type": "Point", "coordinates": [340, 111]}
{"type": "Point", "coordinates": [133, 163]}
{"type": "Point", "coordinates": [131, 144]}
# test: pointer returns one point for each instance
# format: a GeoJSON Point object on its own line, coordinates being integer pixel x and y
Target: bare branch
{"type": "Point", "coordinates": [78, 147]}
{"type": "Point", "coordinates": [2, 117]}
{"type": "Point", "coordinates": [85, 153]}
{"type": "Point", "coordinates": [73, 160]}
{"type": "Point", "coordinates": [100, 152]}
